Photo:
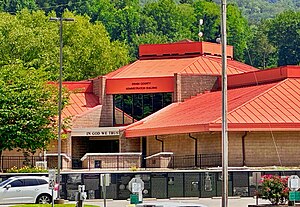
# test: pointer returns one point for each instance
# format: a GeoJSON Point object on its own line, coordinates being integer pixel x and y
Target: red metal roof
{"type": "Point", "coordinates": [79, 86]}
{"type": "Point", "coordinates": [182, 49]}
{"type": "Point", "coordinates": [81, 98]}
{"type": "Point", "coordinates": [272, 106]}
{"type": "Point", "coordinates": [263, 76]}
{"type": "Point", "coordinates": [205, 65]}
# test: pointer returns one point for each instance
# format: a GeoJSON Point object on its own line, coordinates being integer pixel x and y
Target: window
{"type": "Point", "coordinates": [5, 182]}
{"type": "Point", "coordinates": [42, 181]}
{"type": "Point", "coordinates": [17, 183]}
{"type": "Point", "coordinates": [133, 107]}
{"type": "Point", "coordinates": [31, 182]}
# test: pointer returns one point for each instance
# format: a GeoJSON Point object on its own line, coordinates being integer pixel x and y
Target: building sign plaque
{"type": "Point", "coordinates": [102, 133]}
{"type": "Point", "coordinates": [140, 85]}
{"type": "Point", "coordinates": [96, 132]}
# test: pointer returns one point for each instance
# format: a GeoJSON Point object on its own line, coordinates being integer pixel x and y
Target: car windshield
{"type": "Point", "coordinates": [5, 182]}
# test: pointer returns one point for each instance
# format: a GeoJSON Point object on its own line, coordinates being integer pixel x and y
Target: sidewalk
{"type": "Point", "coordinates": [209, 202]}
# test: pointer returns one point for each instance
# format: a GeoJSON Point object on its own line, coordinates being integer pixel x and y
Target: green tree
{"type": "Point", "coordinates": [27, 109]}
{"type": "Point", "coordinates": [174, 21]}
{"type": "Point", "coordinates": [13, 6]}
{"type": "Point", "coordinates": [237, 31]}
{"type": "Point", "coordinates": [31, 38]}
{"type": "Point", "coordinates": [257, 10]}
{"type": "Point", "coordinates": [120, 18]}
{"type": "Point", "coordinates": [210, 13]}
{"type": "Point", "coordinates": [88, 51]}
{"type": "Point", "coordinates": [284, 33]}
{"type": "Point", "coordinates": [260, 52]}
{"type": "Point", "coordinates": [237, 26]}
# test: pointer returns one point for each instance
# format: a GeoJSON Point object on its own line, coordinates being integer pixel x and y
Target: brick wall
{"type": "Point", "coordinates": [264, 146]}
{"type": "Point", "coordinates": [66, 147]}
{"type": "Point", "coordinates": [260, 147]}
{"type": "Point", "coordinates": [97, 86]}
{"type": "Point", "coordinates": [181, 144]}
{"type": "Point", "coordinates": [190, 85]}
{"type": "Point", "coordinates": [89, 119]}
{"type": "Point", "coordinates": [107, 112]}
{"type": "Point", "coordinates": [80, 146]}
{"type": "Point", "coordinates": [106, 117]}
{"type": "Point", "coordinates": [51, 148]}
{"type": "Point", "coordinates": [129, 144]}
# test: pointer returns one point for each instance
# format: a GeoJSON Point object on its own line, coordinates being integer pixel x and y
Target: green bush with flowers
{"type": "Point", "coordinates": [275, 189]}
{"type": "Point", "coordinates": [26, 169]}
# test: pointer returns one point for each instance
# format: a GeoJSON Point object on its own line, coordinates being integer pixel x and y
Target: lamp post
{"type": "Point", "coordinates": [60, 19]}
{"type": "Point", "coordinates": [224, 108]}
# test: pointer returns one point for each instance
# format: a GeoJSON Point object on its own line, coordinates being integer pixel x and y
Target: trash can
{"type": "Point", "coordinates": [134, 199]}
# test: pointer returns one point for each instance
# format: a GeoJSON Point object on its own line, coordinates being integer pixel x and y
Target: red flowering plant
{"type": "Point", "coordinates": [275, 189]}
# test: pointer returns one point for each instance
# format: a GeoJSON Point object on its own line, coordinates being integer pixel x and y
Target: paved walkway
{"type": "Point", "coordinates": [209, 202]}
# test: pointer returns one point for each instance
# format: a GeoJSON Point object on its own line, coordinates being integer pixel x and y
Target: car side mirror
{"type": "Point", "coordinates": [7, 187]}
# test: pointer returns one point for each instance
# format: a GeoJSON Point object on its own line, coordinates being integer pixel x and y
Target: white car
{"type": "Point", "coordinates": [26, 189]}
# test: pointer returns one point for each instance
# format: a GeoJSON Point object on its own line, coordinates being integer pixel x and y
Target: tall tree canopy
{"type": "Point", "coordinates": [257, 10]}
{"type": "Point", "coordinates": [27, 108]}
{"type": "Point", "coordinates": [33, 39]}
{"type": "Point", "coordinates": [284, 33]}
{"type": "Point", "coordinates": [260, 52]}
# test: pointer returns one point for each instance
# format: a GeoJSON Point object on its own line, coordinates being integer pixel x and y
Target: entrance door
{"type": "Point", "coordinates": [103, 146]}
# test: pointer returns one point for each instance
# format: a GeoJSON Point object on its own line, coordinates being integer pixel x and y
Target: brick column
{"type": "Point", "coordinates": [106, 119]}
{"type": "Point", "coordinates": [177, 88]}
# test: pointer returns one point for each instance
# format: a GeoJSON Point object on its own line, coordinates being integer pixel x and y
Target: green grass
{"type": "Point", "coordinates": [50, 205]}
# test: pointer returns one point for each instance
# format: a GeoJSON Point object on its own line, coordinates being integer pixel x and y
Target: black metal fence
{"type": "Point", "coordinates": [120, 162]}
{"type": "Point", "coordinates": [8, 162]}
{"type": "Point", "coordinates": [199, 161]}
{"type": "Point", "coordinates": [18, 162]}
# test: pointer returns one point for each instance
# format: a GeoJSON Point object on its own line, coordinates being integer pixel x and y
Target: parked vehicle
{"type": "Point", "coordinates": [26, 189]}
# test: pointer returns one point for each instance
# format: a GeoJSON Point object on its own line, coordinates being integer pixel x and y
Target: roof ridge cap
{"type": "Point", "coordinates": [235, 67]}
{"type": "Point", "coordinates": [196, 59]}
{"type": "Point", "coordinates": [125, 67]}
{"type": "Point", "coordinates": [265, 92]}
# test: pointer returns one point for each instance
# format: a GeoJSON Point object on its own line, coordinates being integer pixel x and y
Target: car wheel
{"type": "Point", "coordinates": [43, 199]}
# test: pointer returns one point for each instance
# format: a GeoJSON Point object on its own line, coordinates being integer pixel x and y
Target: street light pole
{"type": "Point", "coordinates": [60, 19]}
{"type": "Point", "coordinates": [224, 108]}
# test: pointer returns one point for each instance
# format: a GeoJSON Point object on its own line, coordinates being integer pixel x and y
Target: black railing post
{"type": "Point", "coordinates": [118, 162]}
{"type": "Point", "coordinates": [200, 160]}
{"type": "Point", "coordinates": [173, 161]}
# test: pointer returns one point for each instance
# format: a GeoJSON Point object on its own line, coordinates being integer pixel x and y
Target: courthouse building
{"type": "Point", "coordinates": [164, 110]}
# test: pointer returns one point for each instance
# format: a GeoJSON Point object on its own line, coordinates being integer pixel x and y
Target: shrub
{"type": "Point", "coordinates": [26, 169]}
{"type": "Point", "coordinates": [275, 189]}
